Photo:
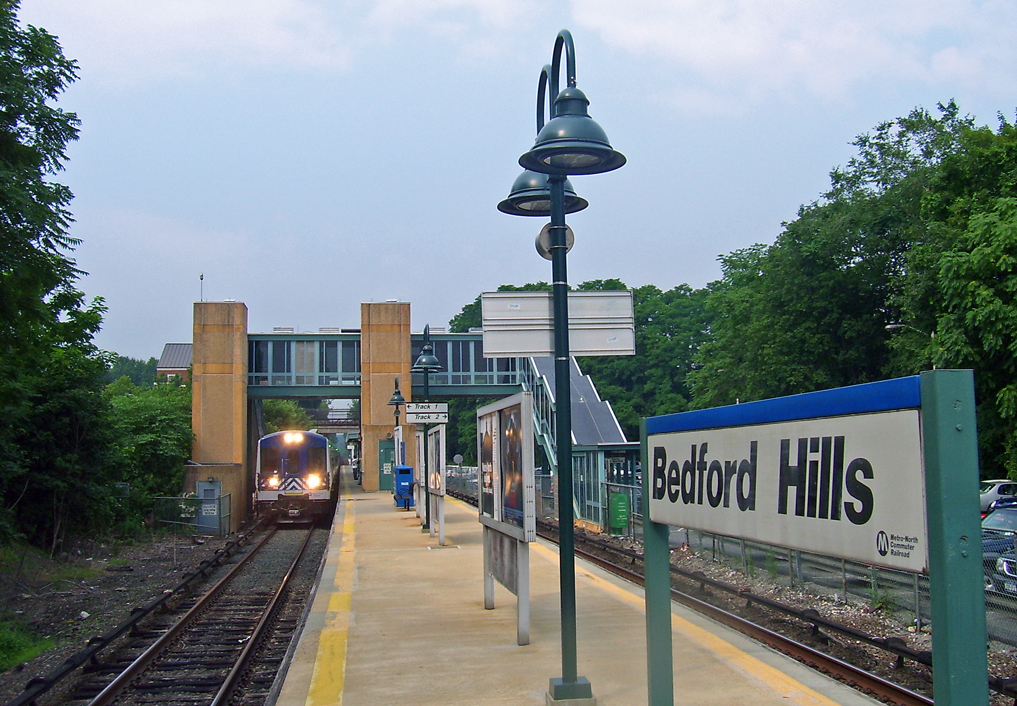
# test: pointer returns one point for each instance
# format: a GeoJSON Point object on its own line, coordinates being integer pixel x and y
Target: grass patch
{"type": "Point", "coordinates": [17, 645]}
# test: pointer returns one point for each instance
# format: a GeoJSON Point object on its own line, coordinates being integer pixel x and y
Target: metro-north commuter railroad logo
{"type": "Point", "coordinates": [882, 543]}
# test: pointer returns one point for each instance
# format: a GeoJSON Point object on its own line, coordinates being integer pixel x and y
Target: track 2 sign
{"type": "Point", "coordinates": [836, 474]}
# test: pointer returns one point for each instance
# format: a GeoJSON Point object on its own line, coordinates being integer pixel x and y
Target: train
{"type": "Point", "coordinates": [297, 477]}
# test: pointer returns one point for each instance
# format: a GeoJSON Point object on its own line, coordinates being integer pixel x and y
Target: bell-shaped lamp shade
{"type": "Point", "coordinates": [426, 362]}
{"type": "Point", "coordinates": [531, 196]}
{"type": "Point", "coordinates": [397, 397]}
{"type": "Point", "coordinates": [572, 142]}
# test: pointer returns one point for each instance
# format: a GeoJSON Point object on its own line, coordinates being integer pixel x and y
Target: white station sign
{"type": "Point", "coordinates": [849, 486]}
{"type": "Point", "coordinates": [427, 413]}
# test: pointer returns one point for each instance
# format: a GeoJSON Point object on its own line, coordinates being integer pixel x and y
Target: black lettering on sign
{"type": "Point", "coordinates": [689, 479]}
{"type": "Point", "coordinates": [859, 491]}
{"type": "Point", "coordinates": [673, 481]}
{"type": "Point", "coordinates": [715, 484]}
{"type": "Point", "coordinates": [792, 476]}
{"type": "Point", "coordinates": [747, 476]}
{"type": "Point", "coordinates": [659, 461]}
{"type": "Point", "coordinates": [699, 480]}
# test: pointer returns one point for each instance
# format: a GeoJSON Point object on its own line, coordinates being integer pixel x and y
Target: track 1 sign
{"type": "Point", "coordinates": [839, 475]}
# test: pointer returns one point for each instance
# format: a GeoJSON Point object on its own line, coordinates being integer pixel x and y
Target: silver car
{"type": "Point", "coordinates": [992, 490]}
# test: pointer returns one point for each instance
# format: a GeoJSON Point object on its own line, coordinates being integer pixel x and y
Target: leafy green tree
{"type": "Point", "coordinates": [55, 465]}
{"type": "Point", "coordinates": [961, 281]}
{"type": "Point", "coordinates": [285, 415]}
{"type": "Point", "coordinates": [140, 372]}
{"type": "Point", "coordinates": [153, 432]}
{"type": "Point", "coordinates": [810, 311]}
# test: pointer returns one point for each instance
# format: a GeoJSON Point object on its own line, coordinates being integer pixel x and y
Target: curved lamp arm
{"type": "Point", "coordinates": [541, 92]}
{"type": "Point", "coordinates": [564, 39]}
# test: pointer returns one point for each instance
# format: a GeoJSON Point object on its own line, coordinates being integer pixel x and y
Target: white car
{"type": "Point", "coordinates": [992, 490]}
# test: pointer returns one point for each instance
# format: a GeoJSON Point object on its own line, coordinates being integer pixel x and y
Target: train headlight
{"type": "Point", "coordinates": [294, 437]}
{"type": "Point", "coordinates": [313, 481]}
{"type": "Point", "coordinates": [272, 481]}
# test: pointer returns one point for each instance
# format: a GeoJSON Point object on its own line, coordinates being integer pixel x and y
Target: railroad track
{"type": "Point", "coordinates": [207, 656]}
{"type": "Point", "coordinates": [225, 646]}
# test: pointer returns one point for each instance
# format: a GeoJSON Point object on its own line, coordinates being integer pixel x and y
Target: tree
{"type": "Point", "coordinates": [285, 415]}
{"type": "Point", "coordinates": [140, 372]}
{"type": "Point", "coordinates": [54, 440]}
{"type": "Point", "coordinates": [961, 283]}
{"type": "Point", "coordinates": [153, 435]}
{"type": "Point", "coordinates": [810, 311]}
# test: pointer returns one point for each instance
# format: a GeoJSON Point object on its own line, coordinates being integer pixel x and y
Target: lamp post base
{"type": "Point", "coordinates": [579, 693]}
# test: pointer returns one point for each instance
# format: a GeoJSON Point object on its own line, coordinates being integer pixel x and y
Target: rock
{"type": "Point", "coordinates": [83, 615]}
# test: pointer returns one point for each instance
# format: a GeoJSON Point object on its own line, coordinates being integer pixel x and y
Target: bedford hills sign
{"type": "Point", "coordinates": [849, 486]}
{"type": "Point", "coordinates": [884, 473]}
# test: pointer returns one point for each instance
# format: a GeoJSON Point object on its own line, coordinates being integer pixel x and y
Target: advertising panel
{"type": "Point", "coordinates": [487, 449]}
{"type": "Point", "coordinates": [505, 451]}
{"type": "Point", "coordinates": [848, 486]}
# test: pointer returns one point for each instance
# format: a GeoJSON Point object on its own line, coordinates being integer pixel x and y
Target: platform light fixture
{"type": "Point", "coordinates": [397, 400]}
{"type": "Point", "coordinates": [427, 362]}
{"type": "Point", "coordinates": [571, 143]}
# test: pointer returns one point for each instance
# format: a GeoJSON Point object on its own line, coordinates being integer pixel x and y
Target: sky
{"type": "Point", "coordinates": [305, 156]}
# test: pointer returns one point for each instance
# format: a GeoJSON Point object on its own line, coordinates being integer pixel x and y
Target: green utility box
{"type": "Point", "coordinates": [618, 513]}
{"type": "Point", "coordinates": [386, 463]}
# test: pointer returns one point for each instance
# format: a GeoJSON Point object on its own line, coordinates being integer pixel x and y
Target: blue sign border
{"type": "Point", "coordinates": [882, 396]}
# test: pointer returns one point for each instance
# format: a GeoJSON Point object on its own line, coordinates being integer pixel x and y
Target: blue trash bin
{"type": "Point", "coordinates": [402, 487]}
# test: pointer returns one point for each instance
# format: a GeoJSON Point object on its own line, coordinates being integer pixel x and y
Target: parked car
{"type": "Point", "coordinates": [992, 490]}
{"type": "Point", "coordinates": [998, 530]}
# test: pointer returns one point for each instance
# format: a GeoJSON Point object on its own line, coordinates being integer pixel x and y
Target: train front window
{"type": "Point", "coordinates": [292, 461]}
{"type": "Point", "coordinates": [316, 459]}
{"type": "Point", "coordinates": [269, 460]}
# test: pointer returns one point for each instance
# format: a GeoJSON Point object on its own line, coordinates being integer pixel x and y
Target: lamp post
{"type": "Point", "coordinates": [571, 143]}
{"type": "Point", "coordinates": [426, 363]}
{"type": "Point", "coordinates": [397, 400]}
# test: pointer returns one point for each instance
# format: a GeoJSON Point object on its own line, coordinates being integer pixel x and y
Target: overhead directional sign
{"type": "Point", "coordinates": [427, 407]}
{"type": "Point", "coordinates": [427, 417]}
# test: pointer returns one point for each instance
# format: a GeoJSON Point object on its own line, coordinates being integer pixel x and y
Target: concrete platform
{"type": "Point", "coordinates": [399, 620]}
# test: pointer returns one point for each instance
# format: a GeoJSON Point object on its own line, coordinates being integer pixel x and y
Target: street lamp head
{"type": "Point", "coordinates": [426, 362]}
{"type": "Point", "coordinates": [572, 142]}
{"type": "Point", "coordinates": [397, 398]}
{"type": "Point", "coordinates": [531, 196]}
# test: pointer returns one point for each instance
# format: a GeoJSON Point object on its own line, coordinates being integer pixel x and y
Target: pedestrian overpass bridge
{"type": "Point", "coordinates": [234, 371]}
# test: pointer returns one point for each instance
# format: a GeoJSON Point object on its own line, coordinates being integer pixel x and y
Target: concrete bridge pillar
{"type": "Point", "coordinates": [384, 356]}
{"type": "Point", "coordinates": [219, 405]}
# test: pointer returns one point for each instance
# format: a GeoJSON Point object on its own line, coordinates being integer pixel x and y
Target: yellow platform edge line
{"type": "Point", "coordinates": [328, 678]}
{"type": "Point", "coordinates": [738, 659]}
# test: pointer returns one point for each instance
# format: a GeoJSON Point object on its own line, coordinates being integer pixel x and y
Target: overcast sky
{"type": "Point", "coordinates": [309, 155]}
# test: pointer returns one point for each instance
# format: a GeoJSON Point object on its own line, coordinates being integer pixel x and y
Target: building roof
{"type": "Point", "coordinates": [176, 356]}
{"type": "Point", "coordinates": [593, 419]}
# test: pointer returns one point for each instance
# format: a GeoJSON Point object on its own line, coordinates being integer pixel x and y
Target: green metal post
{"type": "Point", "coordinates": [657, 590]}
{"type": "Point", "coordinates": [956, 591]}
{"type": "Point", "coordinates": [570, 685]}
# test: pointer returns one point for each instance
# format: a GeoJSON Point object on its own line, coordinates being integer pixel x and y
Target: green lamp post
{"type": "Point", "coordinates": [426, 363]}
{"type": "Point", "coordinates": [397, 400]}
{"type": "Point", "coordinates": [571, 143]}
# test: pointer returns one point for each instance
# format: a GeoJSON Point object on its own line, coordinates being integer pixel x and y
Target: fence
{"type": "Point", "coordinates": [193, 514]}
